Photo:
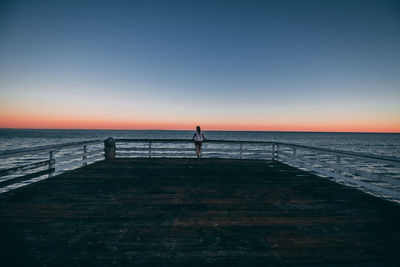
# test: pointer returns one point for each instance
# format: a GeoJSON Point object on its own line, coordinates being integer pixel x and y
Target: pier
{"type": "Point", "coordinates": [181, 211]}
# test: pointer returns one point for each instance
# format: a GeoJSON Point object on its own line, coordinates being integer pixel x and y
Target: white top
{"type": "Point", "coordinates": [198, 136]}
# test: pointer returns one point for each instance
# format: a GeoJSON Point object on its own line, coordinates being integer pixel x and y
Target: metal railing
{"type": "Point", "coordinates": [185, 148]}
{"type": "Point", "coordinates": [28, 165]}
{"type": "Point", "coordinates": [378, 175]}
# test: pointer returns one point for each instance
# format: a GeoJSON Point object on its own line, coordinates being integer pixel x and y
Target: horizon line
{"type": "Point", "coordinates": [270, 131]}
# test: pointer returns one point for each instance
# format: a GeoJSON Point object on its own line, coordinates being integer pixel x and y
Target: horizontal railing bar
{"type": "Point", "coordinates": [26, 167]}
{"type": "Point", "coordinates": [132, 149]}
{"type": "Point", "coordinates": [25, 177]}
{"type": "Point", "coordinates": [155, 149]}
{"type": "Point", "coordinates": [137, 152]}
{"type": "Point", "coordinates": [260, 151]}
{"type": "Point", "coordinates": [154, 152]}
{"type": "Point", "coordinates": [144, 140]}
{"type": "Point", "coordinates": [146, 155]}
{"type": "Point", "coordinates": [332, 151]}
{"type": "Point", "coordinates": [192, 149]}
{"type": "Point", "coordinates": [118, 140]}
{"type": "Point", "coordinates": [215, 151]}
{"type": "Point", "coordinates": [176, 149]}
{"type": "Point", "coordinates": [220, 151]}
{"type": "Point", "coordinates": [14, 152]}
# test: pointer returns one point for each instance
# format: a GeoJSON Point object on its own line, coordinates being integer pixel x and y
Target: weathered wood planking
{"type": "Point", "coordinates": [186, 212]}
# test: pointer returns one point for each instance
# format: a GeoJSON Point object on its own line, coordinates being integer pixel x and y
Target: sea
{"type": "Point", "coordinates": [382, 144]}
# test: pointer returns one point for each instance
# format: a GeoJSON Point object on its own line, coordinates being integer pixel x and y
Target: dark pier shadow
{"type": "Point", "coordinates": [180, 212]}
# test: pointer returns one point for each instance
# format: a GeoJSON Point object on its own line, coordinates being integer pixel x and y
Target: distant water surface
{"type": "Point", "coordinates": [372, 143]}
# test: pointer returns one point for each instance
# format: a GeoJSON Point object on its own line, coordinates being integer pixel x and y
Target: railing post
{"type": "Point", "coordinates": [241, 150]}
{"type": "Point", "coordinates": [51, 163]}
{"type": "Point", "coordinates": [84, 157]}
{"type": "Point", "coordinates": [109, 148]}
{"type": "Point", "coordinates": [149, 149]}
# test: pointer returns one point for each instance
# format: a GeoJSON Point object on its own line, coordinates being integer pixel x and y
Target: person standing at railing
{"type": "Point", "coordinates": [198, 138]}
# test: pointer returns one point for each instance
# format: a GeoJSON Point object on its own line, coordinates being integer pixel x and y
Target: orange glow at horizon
{"type": "Point", "coordinates": [21, 121]}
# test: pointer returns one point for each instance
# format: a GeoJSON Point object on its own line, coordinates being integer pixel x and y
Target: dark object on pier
{"type": "Point", "coordinates": [109, 148]}
{"type": "Point", "coordinates": [180, 212]}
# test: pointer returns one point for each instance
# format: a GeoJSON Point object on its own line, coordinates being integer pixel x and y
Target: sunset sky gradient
{"type": "Point", "coordinates": [225, 65]}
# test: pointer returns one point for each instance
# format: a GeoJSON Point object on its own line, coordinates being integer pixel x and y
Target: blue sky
{"type": "Point", "coordinates": [253, 64]}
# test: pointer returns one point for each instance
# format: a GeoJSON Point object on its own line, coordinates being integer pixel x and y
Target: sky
{"type": "Point", "coordinates": [224, 65]}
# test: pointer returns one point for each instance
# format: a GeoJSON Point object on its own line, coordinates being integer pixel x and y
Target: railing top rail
{"type": "Point", "coordinates": [124, 140]}
{"type": "Point", "coordinates": [327, 150]}
{"type": "Point", "coordinates": [21, 151]}
{"type": "Point", "coordinates": [343, 153]}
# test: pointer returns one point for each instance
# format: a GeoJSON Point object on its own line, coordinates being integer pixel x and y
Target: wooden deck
{"type": "Point", "coordinates": [173, 212]}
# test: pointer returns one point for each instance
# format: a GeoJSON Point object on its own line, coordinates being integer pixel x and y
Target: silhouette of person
{"type": "Point", "coordinates": [198, 138]}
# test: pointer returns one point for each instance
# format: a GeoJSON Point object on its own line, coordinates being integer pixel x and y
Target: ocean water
{"type": "Point", "coordinates": [68, 159]}
{"type": "Point", "coordinates": [371, 143]}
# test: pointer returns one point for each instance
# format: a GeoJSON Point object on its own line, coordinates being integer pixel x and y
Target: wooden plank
{"type": "Point", "coordinates": [194, 212]}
